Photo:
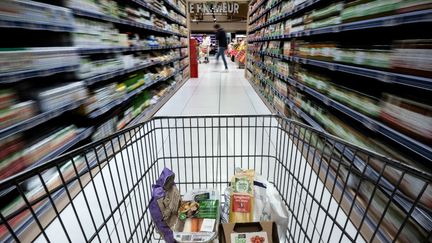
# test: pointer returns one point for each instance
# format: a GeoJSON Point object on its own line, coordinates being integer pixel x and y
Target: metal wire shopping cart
{"type": "Point", "coordinates": [334, 191]}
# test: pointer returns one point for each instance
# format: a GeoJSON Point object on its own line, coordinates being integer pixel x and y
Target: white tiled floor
{"type": "Point", "coordinates": [215, 91]}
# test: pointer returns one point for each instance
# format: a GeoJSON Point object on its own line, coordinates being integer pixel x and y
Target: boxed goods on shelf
{"type": "Point", "coordinates": [35, 12]}
{"type": "Point", "coordinates": [55, 97]}
{"type": "Point", "coordinates": [106, 129]}
{"type": "Point", "coordinates": [413, 56]}
{"type": "Point", "coordinates": [35, 59]}
{"type": "Point", "coordinates": [413, 117]}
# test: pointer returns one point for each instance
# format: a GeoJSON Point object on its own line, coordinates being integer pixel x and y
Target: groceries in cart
{"type": "Point", "coordinates": [198, 216]}
{"type": "Point", "coordinates": [195, 216]}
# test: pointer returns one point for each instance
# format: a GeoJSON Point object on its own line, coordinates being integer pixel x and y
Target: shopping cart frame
{"type": "Point", "coordinates": [329, 158]}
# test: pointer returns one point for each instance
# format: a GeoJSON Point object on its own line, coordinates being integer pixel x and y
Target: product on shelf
{"type": "Point", "coordinates": [106, 129]}
{"type": "Point", "coordinates": [413, 57]}
{"type": "Point", "coordinates": [409, 116]}
{"type": "Point", "coordinates": [36, 13]}
{"type": "Point", "coordinates": [57, 96]}
{"type": "Point", "coordinates": [36, 59]}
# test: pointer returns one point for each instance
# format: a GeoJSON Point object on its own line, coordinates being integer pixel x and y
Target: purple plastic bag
{"type": "Point", "coordinates": [164, 204]}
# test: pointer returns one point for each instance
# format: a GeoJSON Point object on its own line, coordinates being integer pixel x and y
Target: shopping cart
{"type": "Point", "coordinates": [333, 191]}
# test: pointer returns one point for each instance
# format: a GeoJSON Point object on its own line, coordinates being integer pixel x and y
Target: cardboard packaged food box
{"type": "Point", "coordinates": [198, 216]}
{"type": "Point", "coordinates": [254, 232]}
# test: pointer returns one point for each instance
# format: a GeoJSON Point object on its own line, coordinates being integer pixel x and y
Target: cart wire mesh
{"type": "Point", "coordinates": [332, 190]}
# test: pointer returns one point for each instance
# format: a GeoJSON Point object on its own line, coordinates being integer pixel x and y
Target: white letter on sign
{"type": "Point", "coordinates": [236, 8]}
{"type": "Point", "coordinates": [191, 8]}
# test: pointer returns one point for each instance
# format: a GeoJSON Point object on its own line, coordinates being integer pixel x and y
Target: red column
{"type": "Point", "coordinates": [193, 56]}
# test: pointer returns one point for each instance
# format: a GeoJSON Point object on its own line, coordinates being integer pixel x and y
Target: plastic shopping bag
{"type": "Point", "coordinates": [164, 204]}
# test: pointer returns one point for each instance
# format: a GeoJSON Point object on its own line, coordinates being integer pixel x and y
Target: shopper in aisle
{"type": "Point", "coordinates": [222, 40]}
{"type": "Point", "coordinates": [206, 47]}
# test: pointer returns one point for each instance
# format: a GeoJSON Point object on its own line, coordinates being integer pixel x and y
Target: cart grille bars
{"type": "Point", "coordinates": [333, 191]}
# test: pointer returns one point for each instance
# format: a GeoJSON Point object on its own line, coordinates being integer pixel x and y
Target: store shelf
{"type": "Point", "coordinates": [37, 120]}
{"type": "Point", "coordinates": [155, 10]}
{"type": "Point", "coordinates": [12, 77]}
{"type": "Point", "coordinates": [151, 110]}
{"type": "Point", "coordinates": [256, 7]}
{"type": "Point", "coordinates": [101, 111]}
{"type": "Point", "coordinates": [419, 214]}
{"type": "Point", "coordinates": [175, 8]}
{"type": "Point", "coordinates": [389, 21]}
{"type": "Point", "coordinates": [106, 76]}
{"type": "Point", "coordinates": [124, 49]}
{"type": "Point", "coordinates": [295, 10]}
{"type": "Point", "coordinates": [384, 76]}
{"type": "Point", "coordinates": [81, 134]}
{"type": "Point", "coordinates": [107, 18]}
{"type": "Point", "coordinates": [373, 125]}
{"type": "Point", "coordinates": [34, 26]}
{"type": "Point", "coordinates": [265, 11]}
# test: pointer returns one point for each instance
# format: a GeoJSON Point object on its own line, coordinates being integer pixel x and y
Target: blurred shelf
{"type": "Point", "coordinates": [81, 134]}
{"type": "Point", "coordinates": [34, 26]}
{"type": "Point", "coordinates": [107, 18]}
{"type": "Point", "coordinates": [265, 11]}
{"type": "Point", "coordinates": [295, 10]}
{"type": "Point", "coordinates": [12, 77]}
{"type": "Point", "coordinates": [184, 67]}
{"type": "Point", "coordinates": [151, 110]}
{"type": "Point", "coordinates": [388, 21]}
{"type": "Point", "coordinates": [256, 7]}
{"type": "Point", "coordinates": [38, 119]}
{"type": "Point", "coordinates": [106, 76]}
{"type": "Point", "coordinates": [127, 97]}
{"type": "Point", "coordinates": [384, 76]}
{"type": "Point", "coordinates": [400, 199]}
{"type": "Point", "coordinates": [157, 11]}
{"type": "Point", "coordinates": [183, 57]}
{"type": "Point", "coordinates": [124, 49]}
{"type": "Point", "coordinates": [175, 8]}
{"type": "Point", "coordinates": [375, 126]}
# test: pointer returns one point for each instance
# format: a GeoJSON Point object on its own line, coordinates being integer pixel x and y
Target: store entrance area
{"type": "Point", "coordinates": [216, 91]}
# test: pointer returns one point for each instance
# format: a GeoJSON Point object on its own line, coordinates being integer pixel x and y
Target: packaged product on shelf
{"type": "Point", "coordinates": [408, 116]}
{"type": "Point", "coordinates": [412, 57]}
{"type": "Point", "coordinates": [198, 216]}
{"type": "Point", "coordinates": [16, 113]}
{"type": "Point", "coordinates": [330, 10]}
{"type": "Point", "coordinates": [374, 57]}
{"type": "Point", "coordinates": [359, 10]}
{"type": "Point", "coordinates": [37, 58]}
{"type": "Point", "coordinates": [413, 5]}
{"type": "Point", "coordinates": [361, 102]}
{"type": "Point", "coordinates": [55, 97]}
{"type": "Point", "coordinates": [35, 12]}
{"type": "Point", "coordinates": [104, 130]}
{"type": "Point", "coordinates": [164, 204]}
{"type": "Point", "coordinates": [48, 143]}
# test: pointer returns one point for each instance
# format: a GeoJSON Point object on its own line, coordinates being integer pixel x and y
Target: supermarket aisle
{"type": "Point", "coordinates": [216, 91]}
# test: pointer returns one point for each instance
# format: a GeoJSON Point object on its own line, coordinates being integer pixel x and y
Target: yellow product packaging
{"type": "Point", "coordinates": [242, 197]}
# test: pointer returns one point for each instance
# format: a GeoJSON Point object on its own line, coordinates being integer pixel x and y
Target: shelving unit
{"type": "Point", "coordinates": [156, 55]}
{"type": "Point", "coordinates": [303, 67]}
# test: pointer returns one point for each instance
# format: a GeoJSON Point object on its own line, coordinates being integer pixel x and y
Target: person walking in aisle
{"type": "Point", "coordinates": [206, 45]}
{"type": "Point", "coordinates": [222, 40]}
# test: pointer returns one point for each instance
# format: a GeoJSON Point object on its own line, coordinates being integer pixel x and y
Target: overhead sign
{"type": "Point", "coordinates": [214, 8]}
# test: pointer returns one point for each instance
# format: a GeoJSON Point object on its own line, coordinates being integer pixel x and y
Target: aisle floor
{"type": "Point", "coordinates": [215, 91]}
